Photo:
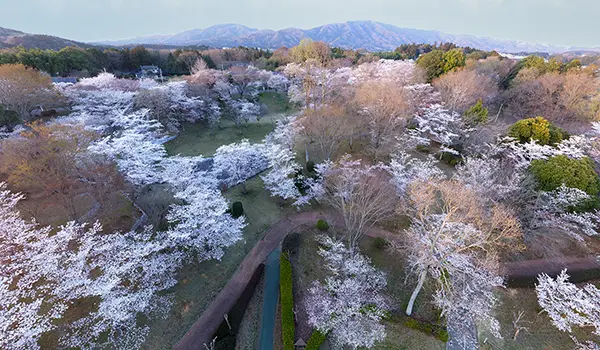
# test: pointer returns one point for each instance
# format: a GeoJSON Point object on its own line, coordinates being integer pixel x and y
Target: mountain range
{"type": "Point", "coordinates": [12, 38]}
{"type": "Point", "coordinates": [367, 35]}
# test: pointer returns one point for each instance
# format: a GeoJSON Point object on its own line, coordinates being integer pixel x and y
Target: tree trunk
{"type": "Point", "coordinates": [413, 297]}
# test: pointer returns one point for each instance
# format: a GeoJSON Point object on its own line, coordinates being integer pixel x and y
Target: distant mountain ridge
{"type": "Point", "coordinates": [368, 35]}
{"type": "Point", "coordinates": [12, 38]}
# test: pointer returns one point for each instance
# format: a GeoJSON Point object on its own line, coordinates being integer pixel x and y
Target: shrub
{"type": "Point", "coordinates": [439, 332]}
{"type": "Point", "coordinates": [287, 302]}
{"type": "Point", "coordinates": [380, 243]}
{"type": "Point", "coordinates": [299, 182]}
{"type": "Point", "coordinates": [557, 134]}
{"type": "Point", "coordinates": [423, 148]}
{"type": "Point", "coordinates": [322, 225]}
{"type": "Point", "coordinates": [310, 166]}
{"type": "Point", "coordinates": [316, 339]}
{"type": "Point", "coordinates": [538, 129]}
{"type": "Point", "coordinates": [451, 158]}
{"type": "Point", "coordinates": [477, 114]}
{"type": "Point", "coordinates": [558, 170]}
{"type": "Point", "coordinates": [8, 118]}
{"type": "Point", "coordinates": [237, 209]}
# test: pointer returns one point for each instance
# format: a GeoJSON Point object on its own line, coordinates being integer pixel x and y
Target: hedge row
{"type": "Point", "coordinates": [287, 302]}
{"type": "Point", "coordinates": [315, 340]}
{"type": "Point", "coordinates": [439, 332]}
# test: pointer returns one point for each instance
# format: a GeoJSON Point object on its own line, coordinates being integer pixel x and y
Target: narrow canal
{"type": "Point", "coordinates": [271, 295]}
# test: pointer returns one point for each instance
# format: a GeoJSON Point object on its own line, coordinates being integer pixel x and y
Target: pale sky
{"type": "Point", "coordinates": [558, 22]}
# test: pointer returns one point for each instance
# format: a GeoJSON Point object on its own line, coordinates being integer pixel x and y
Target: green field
{"type": "Point", "coordinates": [199, 139]}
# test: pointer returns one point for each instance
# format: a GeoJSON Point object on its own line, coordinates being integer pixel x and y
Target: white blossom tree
{"type": "Point", "coordinates": [279, 180]}
{"type": "Point", "coordinates": [237, 162]}
{"type": "Point", "coordinates": [555, 209]}
{"type": "Point", "coordinates": [569, 305]}
{"type": "Point", "coordinates": [135, 145]}
{"type": "Point", "coordinates": [441, 126]}
{"type": "Point", "coordinates": [105, 279]}
{"type": "Point", "coordinates": [406, 170]}
{"type": "Point", "coordinates": [350, 304]}
{"type": "Point", "coordinates": [453, 239]}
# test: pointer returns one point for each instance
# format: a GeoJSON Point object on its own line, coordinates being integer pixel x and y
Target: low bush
{"type": "Point", "coordinates": [310, 166]}
{"type": "Point", "coordinates": [237, 209]}
{"type": "Point", "coordinates": [287, 302]}
{"type": "Point", "coordinates": [299, 182]}
{"type": "Point", "coordinates": [477, 114]}
{"type": "Point", "coordinates": [316, 339]}
{"type": "Point", "coordinates": [438, 332]}
{"type": "Point", "coordinates": [380, 243]}
{"type": "Point", "coordinates": [322, 225]}
{"type": "Point", "coordinates": [423, 148]}
{"type": "Point", "coordinates": [451, 158]}
{"type": "Point", "coordinates": [538, 129]}
{"type": "Point", "coordinates": [8, 118]}
{"type": "Point", "coordinates": [575, 173]}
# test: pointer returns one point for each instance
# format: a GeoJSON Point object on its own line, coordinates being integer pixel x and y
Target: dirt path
{"type": "Point", "coordinates": [203, 329]}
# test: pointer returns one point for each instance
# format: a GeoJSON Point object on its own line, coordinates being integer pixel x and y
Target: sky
{"type": "Point", "coordinates": [557, 22]}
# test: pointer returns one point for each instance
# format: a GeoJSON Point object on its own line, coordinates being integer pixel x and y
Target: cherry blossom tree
{"type": "Point", "coordinates": [285, 133]}
{"type": "Point", "coordinates": [555, 209]}
{"type": "Point", "coordinates": [450, 228]}
{"type": "Point", "coordinates": [569, 305]}
{"type": "Point", "coordinates": [311, 84]}
{"type": "Point", "coordinates": [278, 82]}
{"type": "Point", "coordinates": [406, 170]}
{"type": "Point", "coordinates": [109, 81]}
{"type": "Point", "coordinates": [108, 280]}
{"type": "Point", "coordinates": [440, 125]}
{"type": "Point", "coordinates": [245, 112]}
{"type": "Point", "coordinates": [522, 154]}
{"type": "Point", "coordinates": [495, 180]}
{"type": "Point", "coordinates": [279, 180]}
{"type": "Point", "coordinates": [350, 304]}
{"type": "Point", "coordinates": [237, 162]}
{"type": "Point", "coordinates": [398, 72]}
{"type": "Point", "coordinates": [314, 186]}
{"type": "Point", "coordinates": [135, 146]}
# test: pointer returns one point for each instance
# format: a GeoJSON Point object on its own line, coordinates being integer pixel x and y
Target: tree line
{"type": "Point", "coordinates": [80, 62]}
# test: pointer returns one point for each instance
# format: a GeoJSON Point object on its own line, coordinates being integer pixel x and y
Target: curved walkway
{"type": "Point", "coordinates": [203, 329]}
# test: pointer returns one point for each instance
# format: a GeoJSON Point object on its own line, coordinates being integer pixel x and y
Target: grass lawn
{"type": "Point", "coordinates": [249, 332]}
{"type": "Point", "coordinates": [307, 267]}
{"type": "Point", "coordinates": [540, 333]}
{"type": "Point", "coordinates": [275, 102]}
{"type": "Point", "coordinates": [120, 215]}
{"type": "Point", "coordinates": [198, 139]}
{"type": "Point", "coordinates": [199, 283]}
{"type": "Point", "coordinates": [399, 336]}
